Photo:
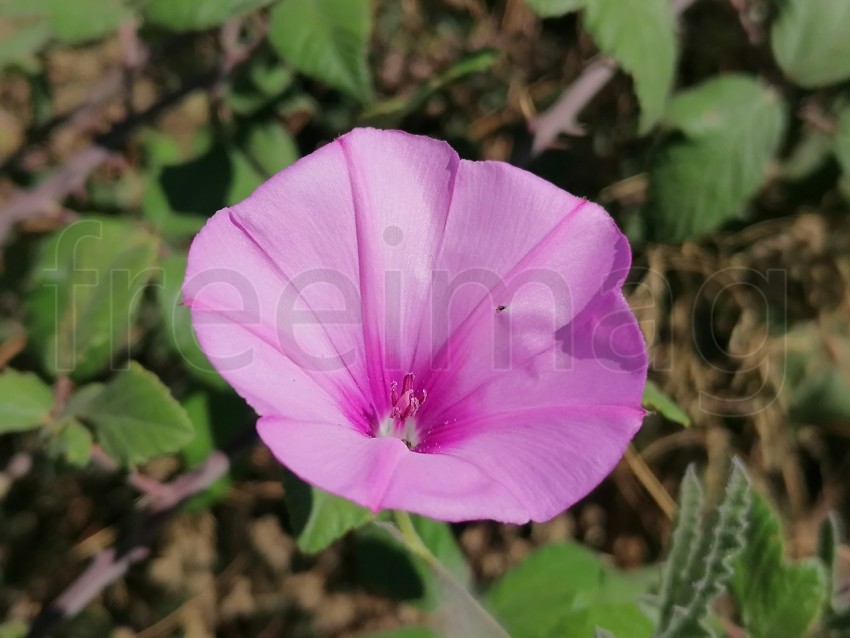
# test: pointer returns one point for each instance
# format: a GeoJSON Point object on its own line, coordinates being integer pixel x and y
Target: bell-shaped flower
{"type": "Point", "coordinates": [424, 333]}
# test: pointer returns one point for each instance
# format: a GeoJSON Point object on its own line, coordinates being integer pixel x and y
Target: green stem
{"type": "Point", "coordinates": [411, 537]}
{"type": "Point", "coordinates": [456, 589]}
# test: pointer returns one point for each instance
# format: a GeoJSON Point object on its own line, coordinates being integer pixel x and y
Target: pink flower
{"type": "Point", "coordinates": [424, 333]}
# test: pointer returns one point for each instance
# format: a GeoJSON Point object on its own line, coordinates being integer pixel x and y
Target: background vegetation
{"type": "Point", "coordinates": [134, 498]}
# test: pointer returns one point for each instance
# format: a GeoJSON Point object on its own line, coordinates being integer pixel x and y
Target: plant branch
{"type": "Point", "coordinates": [112, 563]}
{"type": "Point", "coordinates": [562, 116]}
{"type": "Point", "coordinates": [45, 197]}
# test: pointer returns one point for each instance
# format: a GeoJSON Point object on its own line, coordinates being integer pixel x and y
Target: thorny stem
{"type": "Point", "coordinates": [407, 533]}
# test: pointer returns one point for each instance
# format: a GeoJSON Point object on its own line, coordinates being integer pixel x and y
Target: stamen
{"type": "Point", "coordinates": [403, 407]}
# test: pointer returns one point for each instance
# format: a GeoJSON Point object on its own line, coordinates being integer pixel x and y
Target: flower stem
{"type": "Point", "coordinates": [455, 590]}
{"type": "Point", "coordinates": [411, 537]}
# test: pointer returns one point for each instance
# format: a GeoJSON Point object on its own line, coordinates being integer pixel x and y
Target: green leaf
{"type": "Point", "coordinates": [196, 15]}
{"type": "Point", "coordinates": [85, 20]}
{"type": "Point", "coordinates": [87, 286]}
{"type": "Point", "coordinates": [684, 543]}
{"type": "Point", "coordinates": [554, 8]}
{"type": "Point", "coordinates": [13, 629]}
{"type": "Point", "coordinates": [709, 566]}
{"type": "Point", "coordinates": [73, 442]}
{"type": "Point", "coordinates": [640, 36]}
{"type": "Point", "coordinates": [269, 146]}
{"type": "Point", "coordinates": [327, 40]}
{"type": "Point", "coordinates": [259, 84]}
{"type": "Point", "coordinates": [69, 22]}
{"type": "Point", "coordinates": [813, 150]}
{"type": "Point", "coordinates": [162, 151]}
{"type": "Point", "coordinates": [654, 398]}
{"type": "Point", "coordinates": [136, 418]}
{"type": "Point", "coordinates": [25, 401]}
{"type": "Point", "coordinates": [440, 541]}
{"type": "Point", "coordinates": [81, 399]}
{"type": "Point", "coordinates": [564, 589]}
{"type": "Point", "coordinates": [729, 130]}
{"type": "Point", "coordinates": [177, 321]}
{"type": "Point", "coordinates": [317, 517]}
{"type": "Point", "coordinates": [810, 42]}
{"type": "Point", "coordinates": [220, 175]}
{"type": "Point", "coordinates": [387, 566]}
{"type": "Point", "coordinates": [22, 36]}
{"type": "Point", "coordinates": [776, 599]}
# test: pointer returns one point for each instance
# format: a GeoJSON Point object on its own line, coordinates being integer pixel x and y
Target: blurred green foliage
{"type": "Point", "coordinates": [714, 141]}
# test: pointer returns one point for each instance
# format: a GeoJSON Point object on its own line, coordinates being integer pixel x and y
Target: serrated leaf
{"type": "Point", "coordinates": [327, 40]}
{"type": "Point", "coordinates": [729, 130]}
{"type": "Point", "coordinates": [554, 8]}
{"type": "Point", "coordinates": [73, 442]}
{"type": "Point", "coordinates": [177, 321]}
{"type": "Point", "coordinates": [776, 599]}
{"type": "Point", "coordinates": [25, 401]}
{"type": "Point", "coordinates": [318, 518]}
{"type": "Point", "coordinates": [656, 399]}
{"type": "Point", "coordinates": [86, 290]}
{"type": "Point", "coordinates": [684, 542]}
{"type": "Point", "coordinates": [136, 418]}
{"type": "Point", "coordinates": [710, 568]}
{"type": "Point", "coordinates": [640, 36]}
{"type": "Point", "coordinates": [810, 41]}
{"type": "Point", "coordinates": [564, 589]}
{"type": "Point", "coordinates": [196, 15]}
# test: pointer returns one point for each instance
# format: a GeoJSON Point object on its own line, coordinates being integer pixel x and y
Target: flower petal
{"type": "Point", "coordinates": [279, 272]}
{"type": "Point", "coordinates": [580, 261]}
{"type": "Point", "coordinates": [381, 473]}
{"type": "Point", "coordinates": [546, 458]}
{"type": "Point", "coordinates": [598, 359]}
{"type": "Point", "coordinates": [403, 187]}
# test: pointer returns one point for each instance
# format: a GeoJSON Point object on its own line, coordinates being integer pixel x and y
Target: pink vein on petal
{"type": "Point", "coordinates": [371, 338]}
{"type": "Point", "coordinates": [466, 325]}
{"type": "Point", "coordinates": [231, 215]}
